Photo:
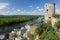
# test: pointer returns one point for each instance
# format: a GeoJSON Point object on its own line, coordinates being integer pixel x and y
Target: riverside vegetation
{"type": "Point", "coordinates": [11, 20]}
{"type": "Point", "coordinates": [56, 15]}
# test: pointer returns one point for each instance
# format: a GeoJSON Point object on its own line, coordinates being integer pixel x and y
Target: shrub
{"type": "Point", "coordinates": [46, 32]}
{"type": "Point", "coordinates": [50, 35]}
{"type": "Point", "coordinates": [6, 36]}
{"type": "Point", "coordinates": [14, 35]}
{"type": "Point", "coordinates": [57, 24]}
{"type": "Point", "coordinates": [24, 39]}
{"type": "Point", "coordinates": [31, 36]}
{"type": "Point", "coordinates": [56, 15]}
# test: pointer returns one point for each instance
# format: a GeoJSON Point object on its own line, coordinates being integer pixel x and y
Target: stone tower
{"type": "Point", "coordinates": [49, 10]}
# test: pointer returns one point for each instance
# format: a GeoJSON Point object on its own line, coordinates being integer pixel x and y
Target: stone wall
{"type": "Point", "coordinates": [54, 20]}
{"type": "Point", "coordinates": [49, 10]}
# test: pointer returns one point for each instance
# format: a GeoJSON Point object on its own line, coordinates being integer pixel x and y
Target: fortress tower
{"type": "Point", "coordinates": [49, 10]}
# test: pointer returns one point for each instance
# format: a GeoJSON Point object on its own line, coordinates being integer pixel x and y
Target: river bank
{"type": "Point", "coordinates": [8, 29]}
{"type": "Point", "coordinates": [14, 20]}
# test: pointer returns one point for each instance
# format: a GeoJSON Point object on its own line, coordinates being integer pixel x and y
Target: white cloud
{"type": "Point", "coordinates": [34, 11]}
{"type": "Point", "coordinates": [58, 11]}
{"type": "Point", "coordinates": [3, 5]}
{"type": "Point", "coordinates": [22, 12]}
{"type": "Point", "coordinates": [18, 10]}
{"type": "Point", "coordinates": [12, 9]}
{"type": "Point", "coordinates": [37, 7]}
{"type": "Point", "coordinates": [40, 9]}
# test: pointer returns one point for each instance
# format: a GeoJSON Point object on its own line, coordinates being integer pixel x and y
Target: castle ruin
{"type": "Point", "coordinates": [49, 10]}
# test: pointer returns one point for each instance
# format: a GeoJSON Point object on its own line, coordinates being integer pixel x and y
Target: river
{"type": "Point", "coordinates": [9, 29]}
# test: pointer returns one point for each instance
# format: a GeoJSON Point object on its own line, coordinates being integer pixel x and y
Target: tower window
{"type": "Point", "coordinates": [50, 17]}
{"type": "Point", "coordinates": [47, 10]}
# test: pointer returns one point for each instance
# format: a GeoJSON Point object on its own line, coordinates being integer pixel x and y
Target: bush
{"type": "Point", "coordinates": [57, 24]}
{"type": "Point", "coordinates": [6, 36]}
{"type": "Point", "coordinates": [24, 39]}
{"type": "Point", "coordinates": [14, 35]}
{"type": "Point", "coordinates": [46, 32]}
{"type": "Point", "coordinates": [56, 15]}
{"type": "Point", "coordinates": [31, 36]}
{"type": "Point", "coordinates": [43, 27]}
{"type": "Point", "coordinates": [50, 35]}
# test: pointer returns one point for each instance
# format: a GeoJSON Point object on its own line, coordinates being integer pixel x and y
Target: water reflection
{"type": "Point", "coordinates": [9, 29]}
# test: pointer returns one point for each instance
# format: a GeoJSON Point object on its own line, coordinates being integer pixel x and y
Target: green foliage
{"type": "Point", "coordinates": [50, 35]}
{"type": "Point", "coordinates": [24, 39]}
{"type": "Point", "coordinates": [14, 35]}
{"type": "Point", "coordinates": [31, 36]}
{"type": "Point", "coordinates": [39, 30]}
{"type": "Point", "coordinates": [6, 36]}
{"type": "Point", "coordinates": [46, 32]}
{"type": "Point", "coordinates": [43, 27]}
{"type": "Point", "coordinates": [57, 24]}
{"type": "Point", "coordinates": [56, 15]}
{"type": "Point", "coordinates": [7, 20]}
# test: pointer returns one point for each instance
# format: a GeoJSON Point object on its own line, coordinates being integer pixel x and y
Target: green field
{"type": "Point", "coordinates": [56, 15]}
{"type": "Point", "coordinates": [7, 20]}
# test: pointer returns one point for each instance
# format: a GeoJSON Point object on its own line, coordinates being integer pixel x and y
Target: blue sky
{"type": "Point", "coordinates": [25, 7]}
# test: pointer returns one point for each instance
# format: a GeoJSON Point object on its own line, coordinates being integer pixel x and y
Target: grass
{"type": "Point", "coordinates": [7, 20]}
{"type": "Point", "coordinates": [56, 15]}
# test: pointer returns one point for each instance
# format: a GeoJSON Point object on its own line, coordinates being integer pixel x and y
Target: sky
{"type": "Point", "coordinates": [26, 7]}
